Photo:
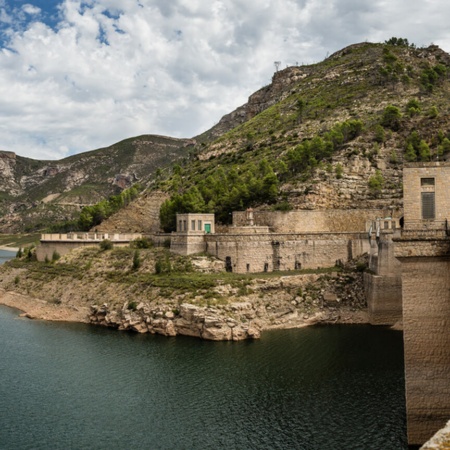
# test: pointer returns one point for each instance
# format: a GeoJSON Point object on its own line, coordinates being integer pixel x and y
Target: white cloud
{"type": "Point", "coordinates": [111, 69]}
{"type": "Point", "coordinates": [31, 10]}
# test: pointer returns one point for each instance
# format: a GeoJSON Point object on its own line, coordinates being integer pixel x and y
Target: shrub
{"type": "Point", "coordinates": [55, 256]}
{"type": "Point", "coordinates": [106, 244]}
{"type": "Point", "coordinates": [339, 171]}
{"type": "Point", "coordinates": [391, 117]}
{"type": "Point", "coordinates": [282, 206]}
{"type": "Point", "coordinates": [132, 306]}
{"type": "Point", "coordinates": [16, 280]}
{"type": "Point", "coordinates": [19, 253]}
{"type": "Point", "coordinates": [136, 260]}
{"type": "Point", "coordinates": [142, 243]}
{"type": "Point", "coordinates": [376, 183]}
{"type": "Point", "coordinates": [379, 134]}
{"type": "Point", "coordinates": [433, 112]}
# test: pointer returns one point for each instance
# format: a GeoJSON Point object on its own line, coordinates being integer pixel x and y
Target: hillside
{"type": "Point", "coordinates": [329, 135]}
{"type": "Point", "coordinates": [36, 193]}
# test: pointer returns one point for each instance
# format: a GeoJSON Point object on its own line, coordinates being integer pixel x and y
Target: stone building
{"type": "Point", "coordinates": [264, 241]}
{"type": "Point", "coordinates": [423, 250]}
{"type": "Point", "coordinates": [190, 235]}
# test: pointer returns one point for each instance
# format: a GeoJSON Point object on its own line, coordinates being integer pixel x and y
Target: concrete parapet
{"type": "Point", "coordinates": [64, 243]}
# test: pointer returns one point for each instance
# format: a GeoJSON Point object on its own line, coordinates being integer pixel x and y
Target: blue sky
{"type": "Point", "coordinates": [76, 75]}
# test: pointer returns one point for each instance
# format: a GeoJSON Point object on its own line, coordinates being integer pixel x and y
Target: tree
{"type": "Point", "coordinates": [136, 260]}
{"type": "Point", "coordinates": [424, 151]}
{"type": "Point", "coordinates": [391, 118]}
{"type": "Point", "coordinates": [410, 153]}
{"type": "Point", "coordinates": [376, 183]}
{"type": "Point", "coordinates": [379, 134]}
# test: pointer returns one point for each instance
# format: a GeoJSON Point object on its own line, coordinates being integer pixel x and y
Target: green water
{"type": "Point", "coordinates": [72, 386]}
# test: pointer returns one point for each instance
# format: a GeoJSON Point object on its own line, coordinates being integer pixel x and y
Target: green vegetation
{"type": "Point", "coordinates": [94, 215]}
{"type": "Point", "coordinates": [106, 244]}
{"type": "Point", "coordinates": [391, 118]}
{"type": "Point", "coordinates": [136, 260]}
{"type": "Point", "coordinates": [376, 183]}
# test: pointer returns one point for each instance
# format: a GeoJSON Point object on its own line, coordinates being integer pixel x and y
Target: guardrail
{"type": "Point", "coordinates": [92, 237]}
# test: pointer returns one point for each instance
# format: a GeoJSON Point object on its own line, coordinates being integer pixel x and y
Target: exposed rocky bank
{"type": "Point", "coordinates": [205, 302]}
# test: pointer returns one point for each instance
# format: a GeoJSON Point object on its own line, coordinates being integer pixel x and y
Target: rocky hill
{"type": "Point", "coordinates": [36, 193]}
{"type": "Point", "coordinates": [329, 135]}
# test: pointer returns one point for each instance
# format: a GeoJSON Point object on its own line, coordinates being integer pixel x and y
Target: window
{"type": "Point", "coordinates": [184, 225]}
{"type": "Point", "coordinates": [427, 196]}
{"type": "Point", "coordinates": [427, 182]}
{"type": "Point", "coordinates": [192, 225]}
{"type": "Point", "coordinates": [199, 225]}
{"type": "Point", "coordinates": [180, 226]}
{"type": "Point", "coordinates": [428, 209]}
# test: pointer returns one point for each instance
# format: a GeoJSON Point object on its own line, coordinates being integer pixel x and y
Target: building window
{"type": "Point", "coordinates": [184, 225]}
{"type": "Point", "coordinates": [248, 267]}
{"type": "Point", "coordinates": [428, 207]}
{"type": "Point", "coordinates": [180, 225]}
{"type": "Point", "coordinates": [199, 228]}
{"type": "Point", "coordinates": [192, 225]}
{"type": "Point", "coordinates": [425, 182]}
{"type": "Point", "coordinates": [427, 196]}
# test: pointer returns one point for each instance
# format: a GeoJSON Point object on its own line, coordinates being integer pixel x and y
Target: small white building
{"type": "Point", "coordinates": [195, 223]}
{"type": "Point", "coordinates": [190, 235]}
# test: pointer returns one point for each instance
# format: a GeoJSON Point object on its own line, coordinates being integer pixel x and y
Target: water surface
{"type": "Point", "coordinates": [83, 387]}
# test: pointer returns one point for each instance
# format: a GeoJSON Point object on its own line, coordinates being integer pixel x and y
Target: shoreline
{"type": "Point", "coordinates": [38, 309]}
{"type": "Point", "coordinates": [9, 249]}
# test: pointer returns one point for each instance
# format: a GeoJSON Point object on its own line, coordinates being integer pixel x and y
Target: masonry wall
{"type": "Point", "coordinates": [187, 243]}
{"type": "Point", "coordinates": [275, 251]}
{"type": "Point", "coordinates": [383, 287]}
{"type": "Point", "coordinates": [412, 175]}
{"type": "Point", "coordinates": [426, 300]}
{"type": "Point", "coordinates": [425, 266]}
{"type": "Point", "coordinates": [312, 221]}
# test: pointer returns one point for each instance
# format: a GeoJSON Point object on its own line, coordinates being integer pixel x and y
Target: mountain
{"type": "Point", "coordinates": [34, 194]}
{"type": "Point", "coordinates": [328, 135]}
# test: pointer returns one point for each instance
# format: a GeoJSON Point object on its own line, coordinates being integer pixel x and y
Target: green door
{"type": "Point", "coordinates": [207, 228]}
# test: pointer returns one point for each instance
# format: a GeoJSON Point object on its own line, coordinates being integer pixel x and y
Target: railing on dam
{"type": "Point", "coordinates": [90, 237]}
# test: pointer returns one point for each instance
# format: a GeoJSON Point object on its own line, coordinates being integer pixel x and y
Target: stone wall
{"type": "Point", "coordinates": [383, 284]}
{"type": "Point", "coordinates": [312, 221]}
{"type": "Point", "coordinates": [187, 243]}
{"type": "Point", "coordinates": [426, 322]}
{"type": "Point", "coordinates": [275, 251]}
{"type": "Point", "coordinates": [412, 175]}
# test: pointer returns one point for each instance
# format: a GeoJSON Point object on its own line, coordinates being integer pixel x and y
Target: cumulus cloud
{"type": "Point", "coordinates": [97, 71]}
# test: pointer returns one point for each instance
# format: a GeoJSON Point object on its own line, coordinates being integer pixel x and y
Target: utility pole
{"type": "Point", "coordinates": [277, 65]}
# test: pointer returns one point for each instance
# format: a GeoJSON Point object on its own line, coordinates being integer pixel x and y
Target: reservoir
{"type": "Point", "coordinates": [76, 386]}
{"type": "Point", "coordinates": [83, 387]}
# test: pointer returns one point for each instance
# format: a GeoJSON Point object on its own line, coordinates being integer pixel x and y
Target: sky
{"type": "Point", "coordinates": [76, 75]}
